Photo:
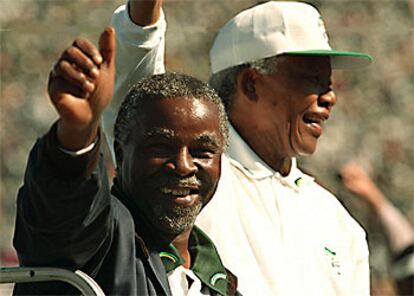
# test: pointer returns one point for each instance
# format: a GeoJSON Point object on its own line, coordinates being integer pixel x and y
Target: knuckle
{"type": "Point", "coordinates": [71, 51]}
{"type": "Point", "coordinates": [78, 41]}
{"type": "Point", "coordinates": [89, 64]}
{"type": "Point", "coordinates": [81, 77]}
{"type": "Point", "coordinates": [63, 65]}
{"type": "Point", "coordinates": [83, 44]}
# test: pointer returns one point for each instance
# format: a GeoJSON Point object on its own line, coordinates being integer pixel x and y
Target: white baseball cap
{"type": "Point", "coordinates": [275, 28]}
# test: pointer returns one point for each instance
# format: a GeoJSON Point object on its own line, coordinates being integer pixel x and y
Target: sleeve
{"type": "Point", "coordinates": [63, 209]}
{"type": "Point", "coordinates": [139, 53]}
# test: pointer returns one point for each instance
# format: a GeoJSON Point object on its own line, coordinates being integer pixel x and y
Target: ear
{"type": "Point", "coordinates": [246, 83]}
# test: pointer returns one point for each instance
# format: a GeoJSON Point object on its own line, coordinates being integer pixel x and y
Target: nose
{"type": "Point", "coordinates": [182, 163]}
{"type": "Point", "coordinates": [327, 99]}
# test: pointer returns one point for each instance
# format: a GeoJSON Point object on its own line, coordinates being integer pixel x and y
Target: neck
{"type": "Point", "coordinates": [181, 243]}
{"type": "Point", "coordinates": [265, 147]}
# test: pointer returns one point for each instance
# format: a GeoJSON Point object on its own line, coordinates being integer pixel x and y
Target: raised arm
{"type": "Point", "coordinates": [145, 12]}
{"type": "Point", "coordinates": [140, 26]}
{"type": "Point", "coordinates": [63, 208]}
{"type": "Point", "coordinates": [397, 228]}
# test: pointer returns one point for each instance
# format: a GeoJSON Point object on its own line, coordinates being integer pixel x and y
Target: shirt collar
{"type": "Point", "coordinates": [244, 158]}
{"type": "Point", "coordinates": [206, 263]}
{"type": "Point", "coordinates": [250, 163]}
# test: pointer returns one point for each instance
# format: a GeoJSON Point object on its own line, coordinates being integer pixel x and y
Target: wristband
{"type": "Point", "coordinates": [81, 151]}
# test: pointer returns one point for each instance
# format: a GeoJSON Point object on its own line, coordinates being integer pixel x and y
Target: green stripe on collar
{"type": "Point", "coordinates": [207, 264]}
{"type": "Point", "coordinates": [171, 259]}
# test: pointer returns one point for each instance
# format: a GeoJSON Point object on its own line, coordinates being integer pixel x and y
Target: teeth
{"type": "Point", "coordinates": [311, 119]}
{"type": "Point", "coordinates": [179, 191]}
{"type": "Point", "coordinates": [317, 120]}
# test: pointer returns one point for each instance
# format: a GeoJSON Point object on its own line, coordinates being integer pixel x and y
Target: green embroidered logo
{"type": "Point", "coordinates": [334, 261]}
{"type": "Point", "coordinates": [329, 251]}
{"type": "Point", "coordinates": [298, 181]}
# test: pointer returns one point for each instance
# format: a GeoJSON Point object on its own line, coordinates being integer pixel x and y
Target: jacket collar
{"type": "Point", "coordinates": [206, 263]}
{"type": "Point", "coordinates": [147, 245]}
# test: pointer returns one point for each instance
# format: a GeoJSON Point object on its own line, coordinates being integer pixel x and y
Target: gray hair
{"type": "Point", "coordinates": [167, 85]}
{"type": "Point", "coordinates": [224, 82]}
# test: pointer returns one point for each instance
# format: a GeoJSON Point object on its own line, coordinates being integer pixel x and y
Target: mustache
{"type": "Point", "coordinates": [175, 181]}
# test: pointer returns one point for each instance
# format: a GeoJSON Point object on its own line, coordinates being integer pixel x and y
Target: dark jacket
{"type": "Point", "coordinates": [68, 218]}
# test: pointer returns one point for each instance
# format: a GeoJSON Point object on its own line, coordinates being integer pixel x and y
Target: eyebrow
{"type": "Point", "coordinates": [209, 139]}
{"type": "Point", "coordinates": [206, 138]}
{"type": "Point", "coordinates": [159, 132]}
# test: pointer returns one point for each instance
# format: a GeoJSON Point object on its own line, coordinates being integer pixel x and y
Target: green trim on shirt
{"type": "Point", "coordinates": [206, 265]}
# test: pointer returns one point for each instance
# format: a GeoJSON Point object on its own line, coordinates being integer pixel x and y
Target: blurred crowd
{"type": "Point", "coordinates": [373, 125]}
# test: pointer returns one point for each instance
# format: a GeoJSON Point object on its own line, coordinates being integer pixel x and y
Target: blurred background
{"type": "Point", "coordinates": [373, 123]}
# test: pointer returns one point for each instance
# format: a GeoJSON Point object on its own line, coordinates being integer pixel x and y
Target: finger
{"type": "Point", "coordinates": [107, 45]}
{"type": "Point", "coordinates": [73, 75]}
{"type": "Point", "coordinates": [82, 61]}
{"type": "Point", "coordinates": [89, 49]}
{"type": "Point", "coordinates": [58, 88]}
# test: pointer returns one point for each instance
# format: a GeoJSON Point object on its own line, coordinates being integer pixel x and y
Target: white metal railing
{"type": "Point", "coordinates": [84, 283]}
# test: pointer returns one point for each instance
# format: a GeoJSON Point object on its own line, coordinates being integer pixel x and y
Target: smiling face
{"type": "Point", "coordinates": [171, 164]}
{"type": "Point", "coordinates": [293, 104]}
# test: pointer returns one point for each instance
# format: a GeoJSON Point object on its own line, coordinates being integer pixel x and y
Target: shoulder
{"type": "Point", "coordinates": [122, 219]}
{"type": "Point", "coordinates": [327, 204]}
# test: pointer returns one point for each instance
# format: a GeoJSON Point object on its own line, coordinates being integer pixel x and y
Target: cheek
{"type": "Point", "coordinates": [148, 166]}
{"type": "Point", "coordinates": [210, 170]}
{"type": "Point", "coordinates": [302, 141]}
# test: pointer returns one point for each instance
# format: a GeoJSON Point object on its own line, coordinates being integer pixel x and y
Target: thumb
{"type": "Point", "coordinates": [107, 45]}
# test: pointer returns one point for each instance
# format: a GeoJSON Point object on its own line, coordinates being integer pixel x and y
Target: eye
{"type": "Point", "coordinates": [158, 150]}
{"type": "Point", "coordinates": [203, 153]}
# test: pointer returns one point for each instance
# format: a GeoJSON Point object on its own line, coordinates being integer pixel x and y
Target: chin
{"type": "Point", "coordinates": [179, 219]}
{"type": "Point", "coordinates": [305, 153]}
{"type": "Point", "coordinates": [305, 149]}
{"type": "Point", "coordinates": [173, 228]}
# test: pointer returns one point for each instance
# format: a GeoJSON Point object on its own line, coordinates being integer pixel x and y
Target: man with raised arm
{"type": "Point", "coordinates": [279, 231]}
{"type": "Point", "coordinates": [138, 237]}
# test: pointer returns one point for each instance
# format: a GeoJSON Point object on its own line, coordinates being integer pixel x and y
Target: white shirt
{"type": "Point", "coordinates": [277, 237]}
{"type": "Point", "coordinates": [179, 279]}
{"type": "Point", "coordinates": [283, 235]}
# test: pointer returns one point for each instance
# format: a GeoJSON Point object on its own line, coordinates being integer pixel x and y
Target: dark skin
{"type": "Point", "coordinates": [81, 86]}
{"type": "Point", "coordinates": [145, 12]}
{"type": "Point", "coordinates": [289, 108]}
{"type": "Point", "coordinates": [176, 140]}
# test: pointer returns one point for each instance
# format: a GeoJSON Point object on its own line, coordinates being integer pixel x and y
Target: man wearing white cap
{"type": "Point", "coordinates": [275, 228]}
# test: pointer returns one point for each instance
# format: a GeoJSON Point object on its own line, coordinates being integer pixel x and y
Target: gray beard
{"type": "Point", "coordinates": [179, 219]}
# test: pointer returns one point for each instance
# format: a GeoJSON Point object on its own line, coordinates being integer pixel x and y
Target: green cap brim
{"type": "Point", "coordinates": [339, 59]}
